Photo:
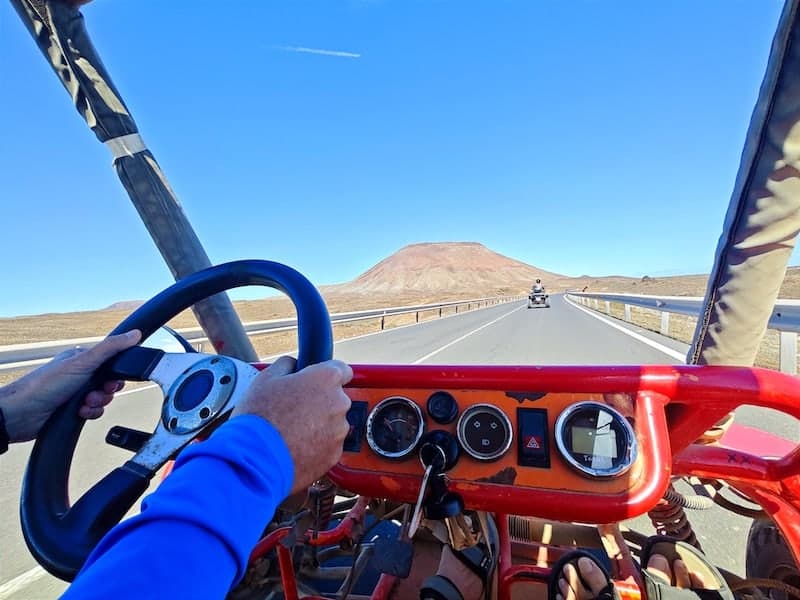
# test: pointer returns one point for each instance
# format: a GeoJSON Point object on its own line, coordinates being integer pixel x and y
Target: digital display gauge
{"type": "Point", "coordinates": [394, 427]}
{"type": "Point", "coordinates": [595, 439]}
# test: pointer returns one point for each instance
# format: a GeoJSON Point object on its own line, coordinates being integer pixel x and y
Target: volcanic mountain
{"type": "Point", "coordinates": [467, 267]}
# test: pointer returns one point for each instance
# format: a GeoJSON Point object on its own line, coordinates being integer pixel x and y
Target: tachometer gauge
{"type": "Point", "coordinates": [484, 432]}
{"type": "Point", "coordinates": [595, 439]}
{"type": "Point", "coordinates": [394, 427]}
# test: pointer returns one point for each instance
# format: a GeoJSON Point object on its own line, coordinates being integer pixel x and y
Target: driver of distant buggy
{"type": "Point", "coordinates": [538, 288]}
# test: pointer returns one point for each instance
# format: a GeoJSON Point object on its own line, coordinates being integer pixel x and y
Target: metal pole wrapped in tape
{"type": "Point", "coordinates": [59, 30]}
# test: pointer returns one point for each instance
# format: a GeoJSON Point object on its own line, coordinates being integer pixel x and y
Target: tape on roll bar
{"type": "Point", "coordinates": [126, 145]}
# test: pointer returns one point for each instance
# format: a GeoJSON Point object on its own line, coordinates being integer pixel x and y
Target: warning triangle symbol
{"type": "Point", "coordinates": [533, 444]}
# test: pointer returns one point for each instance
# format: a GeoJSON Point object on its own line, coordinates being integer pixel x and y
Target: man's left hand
{"type": "Point", "coordinates": [28, 402]}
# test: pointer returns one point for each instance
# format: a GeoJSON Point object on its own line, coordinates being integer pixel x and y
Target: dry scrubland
{"type": "Point", "coordinates": [41, 328]}
{"type": "Point", "coordinates": [47, 327]}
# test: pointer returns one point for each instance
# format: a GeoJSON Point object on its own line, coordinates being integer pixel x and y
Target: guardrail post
{"type": "Point", "coordinates": [456, 308]}
{"type": "Point", "coordinates": [440, 311]}
{"type": "Point", "coordinates": [628, 313]}
{"type": "Point", "coordinates": [596, 304]}
{"type": "Point", "coordinates": [417, 316]}
{"type": "Point", "coordinates": [199, 346]}
{"type": "Point", "coordinates": [608, 307]}
{"type": "Point", "coordinates": [788, 352]}
{"type": "Point", "coordinates": [383, 321]}
{"type": "Point", "coordinates": [469, 306]}
{"type": "Point", "coordinates": [664, 323]}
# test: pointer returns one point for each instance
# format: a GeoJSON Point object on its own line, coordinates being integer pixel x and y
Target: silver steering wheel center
{"type": "Point", "coordinates": [198, 395]}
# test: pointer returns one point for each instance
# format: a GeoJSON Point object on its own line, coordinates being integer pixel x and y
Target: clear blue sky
{"type": "Point", "coordinates": [592, 137]}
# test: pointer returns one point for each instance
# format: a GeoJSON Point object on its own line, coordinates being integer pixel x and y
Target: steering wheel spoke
{"type": "Point", "coordinates": [199, 389]}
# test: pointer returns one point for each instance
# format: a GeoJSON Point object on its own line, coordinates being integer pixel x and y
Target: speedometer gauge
{"type": "Point", "coordinates": [595, 439]}
{"type": "Point", "coordinates": [394, 427]}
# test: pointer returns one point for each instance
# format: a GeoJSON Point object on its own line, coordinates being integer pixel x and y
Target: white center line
{"type": "Point", "coordinates": [466, 335]}
{"type": "Point", "coordinates": [20, 582]}
{"type": "Point", "coordinates": [660, 347]}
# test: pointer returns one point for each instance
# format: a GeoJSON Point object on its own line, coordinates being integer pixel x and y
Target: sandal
{"type": "Point", "coordinates": [481, 559]}
{"type": "Point", "coordinates": [607, 593]}
{"type": "Point", "coordinates": [696, 562]}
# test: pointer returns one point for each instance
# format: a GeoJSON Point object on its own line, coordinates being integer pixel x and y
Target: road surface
{"type": "Point", "coordinates": [502, 334]}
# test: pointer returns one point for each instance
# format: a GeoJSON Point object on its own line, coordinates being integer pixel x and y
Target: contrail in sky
{"type": "Point", "coordinates": [321, 51]}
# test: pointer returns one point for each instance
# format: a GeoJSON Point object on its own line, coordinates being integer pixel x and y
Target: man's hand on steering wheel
{"type": "Point", "coordinates": [308, 408]}
{"type": "Point", "coordinates": [28, 402]}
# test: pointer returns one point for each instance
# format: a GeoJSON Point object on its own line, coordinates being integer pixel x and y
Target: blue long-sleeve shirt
{"type": "Point", "coordinates": [195, 533]}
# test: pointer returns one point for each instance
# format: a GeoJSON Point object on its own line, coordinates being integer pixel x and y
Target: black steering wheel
{"type": "Point", "coordinates": [200, 390]}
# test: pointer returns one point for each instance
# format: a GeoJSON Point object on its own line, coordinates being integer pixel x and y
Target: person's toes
{"type": "Point", "coordinates": [681, 571]}
{"type": "Point", "coordinates": [658, 566]}
{"type": "Point", "coordinates": [593, 575]}
{"type": "Point", "coordinates": [571, 586]}
{"type": "Point", "coordinates": [567, 593]}
{"type": "Point", "coordinates": [699, 582]}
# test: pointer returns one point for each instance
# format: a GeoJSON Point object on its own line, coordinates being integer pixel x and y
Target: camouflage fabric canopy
{"type": "Point", "coordinates": [763, 217]}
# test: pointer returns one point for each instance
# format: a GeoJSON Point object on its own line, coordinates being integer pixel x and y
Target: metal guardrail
{"type": "Point", "coordinates": [18, 356]}
{"type": "Point", "coordinates": [785, 316]}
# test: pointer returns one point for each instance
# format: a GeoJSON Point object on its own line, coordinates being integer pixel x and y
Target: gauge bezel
{"type": "Point", "coordinates": [477, 408]}
{"type": "Point", "coordinates": [371, 418]}
{"type": "Point", "coordinates": [629, 455]}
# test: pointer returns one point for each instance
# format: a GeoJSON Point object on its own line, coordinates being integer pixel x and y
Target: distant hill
{"type": "Point", "coordinates": [449, 267]}
{"type": "Point", "coordinates": [125, 305]}
{"type": "Point", "coordinates": [448, 270]}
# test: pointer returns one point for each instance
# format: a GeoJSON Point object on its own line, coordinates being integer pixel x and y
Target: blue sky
{"type": "Point", "coordinates": [598, 137]}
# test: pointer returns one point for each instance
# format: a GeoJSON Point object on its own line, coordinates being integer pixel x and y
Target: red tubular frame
{"type": "Point", "coordinates": [675, 406]}
{"type": "Point", "coordinates": [559, 505]}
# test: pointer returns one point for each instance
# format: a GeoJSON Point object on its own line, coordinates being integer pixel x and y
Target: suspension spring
{"type": "Point", "coordinates": [670, 519]}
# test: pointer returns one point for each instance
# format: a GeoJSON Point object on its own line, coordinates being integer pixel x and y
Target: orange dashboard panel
{"type": "Point", "coordinates": [504, 438]}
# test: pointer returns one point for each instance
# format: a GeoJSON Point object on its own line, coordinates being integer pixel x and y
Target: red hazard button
{"type": "Point", "coordinates": [533, 442]}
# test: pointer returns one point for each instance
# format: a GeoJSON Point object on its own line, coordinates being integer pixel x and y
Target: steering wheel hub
{"type": "Point", "coordinates": [198, 395]}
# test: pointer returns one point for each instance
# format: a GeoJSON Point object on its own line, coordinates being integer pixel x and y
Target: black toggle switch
{"type": "Point", "coordinates": [127, 439]}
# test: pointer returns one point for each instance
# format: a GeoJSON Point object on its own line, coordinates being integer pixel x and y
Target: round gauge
{"type": "Point", "coordinates": [394, 427]}
{"type": "Point", "coordinates": [442, 407]}
{"type": "Point", "coordinates": [595, 439]}
{"type": "Point", "coordinates": [484, 432]}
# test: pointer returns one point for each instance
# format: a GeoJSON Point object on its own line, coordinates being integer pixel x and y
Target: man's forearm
{"type": "Point", "coordinates": [199, 527]}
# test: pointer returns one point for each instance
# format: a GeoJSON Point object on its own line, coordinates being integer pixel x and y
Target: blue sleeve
{"type": "Point", "coordinates": [194, 534]}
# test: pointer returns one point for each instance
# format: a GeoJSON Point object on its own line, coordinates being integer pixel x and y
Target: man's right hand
{"type": "Point", "coordinates": [308, 408]}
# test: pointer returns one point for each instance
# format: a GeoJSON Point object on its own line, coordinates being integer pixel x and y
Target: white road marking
{"type": "Point", "coordinates": [28, 577]}
{"type": "Point", "coordinates": [135, 390]}
{"type": "Point", "coordinates": [466, 335]}
{"type": "Point", "coordinates": [20, 582]}
{"type": "Point", "coordinates": [660, 347]}
{"type": "Point", "coordinates": [363, 335]}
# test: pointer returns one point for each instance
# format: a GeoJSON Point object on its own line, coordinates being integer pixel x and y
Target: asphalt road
{"type": "Point", "coordinates": [503, 334]}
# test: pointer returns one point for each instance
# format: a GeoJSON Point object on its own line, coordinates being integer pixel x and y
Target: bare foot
{"type": "Point", "coordinates": [570, 586]}
{"type": "Point", "coordinates": [679, 576]}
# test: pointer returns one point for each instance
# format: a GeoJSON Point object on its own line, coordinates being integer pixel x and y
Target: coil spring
{"type": "Point", "coordinates": [670, 519]}
{"type": "Point", "coordinates": [322, 495]}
